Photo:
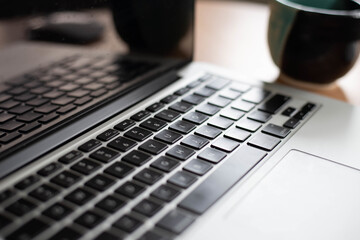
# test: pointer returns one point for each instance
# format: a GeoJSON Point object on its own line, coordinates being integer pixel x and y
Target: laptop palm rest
{"type": "Point", "coordinates": [303, 197]}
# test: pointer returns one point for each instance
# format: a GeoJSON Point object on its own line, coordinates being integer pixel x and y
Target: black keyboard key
{"type": "Point", "coordinates": [212, 155]}
{"type": "Point", "coordinates": [11, 126]}
{"type": "Point", "coordinates": [195, 142]}
{"type": "Point", "coordinates": [66, 234]}
{"type": "Point", "coordinates": [57, 211]}
{"type": "Point", "coordinates": [107, 236]}
{"type": "Point", "coordinates": [44, 193]}
{"type": "Point", "coordinates": [196, 117]}
{"type": "Point", "coordinates": [30, 127]}
{"type": "Point", "coordinates": [140, 115]}
{"type": "Point", "coordinates": [148, 176]}
{"type": "Point", "coordinates": [130, 190]}
{"type": "Point", "coordinates": [155, 107]}
{"type": "Point", "coordinates": [255, 95]}
{"type": "Point", "coordinates": [89, 219]}
{"type": "Point", "coordinates": [276, 130]}
{"type": "Point", "coordinates": [48, 118]}
{"type": "Point", "coordinates": [100, 182]}
{"type": "Point", "coordinates": [150, 235]}
{"type": "Point", "coordinates": [70, 157]}
{"type": "Point", "coordinates": [7, 194]}
{"type": "Point", "coordinates": [292, 123]}
{"type": "Point", "coordinates": [83, 100]}
{"type": "Point", "coordinates": [79, 196]}
{"type": "Point", "coordinates": [153, 147]}
{"type": "Point", "coordinates": [37, 102]}
{"type": "Point", "coordinates": [220, 122]}
{"type": "Point", "coordinates": [165, 193]}
{"type": "Point", "coordinates": [249, 125]}
{"type": "Point", "coordinates": [262, 117]}
{"type": "Point", "coordinates": [181, 107]}
{"type": "Point", "coordinates": [230, 94]}
{"type": "Point", "coordinates": [122, 144]}
{"type": "Point", "coordinates": [219, 101]}
{"type": "Point", "coordinates": [138, 134]}
{"type": "Point", "coordinates": [167, 115]}
{"type": "Point", "coordinates": [193, 84]}
{"type": "Point", "coordinates": [45, 109]}
{"type": "Point", "coordinates": [205, 92]}
{"type": "Point", "coordinates": [218, 83]}
{"type": "Point", "coordinates": [225, 144]}
{"type": "Point", "coordinates": [264, 142]}
{"type": "Point", "coordinates": [165, 164]}
{"type": "Point", "coordinates": [20, 109]}
{"type": "Point", "coordinates": [4, 221]}
{"type": "Point", "coordinates": [308, 107]}
{"type": "Point", "coordinates": [125, 125]}
{"type": "Point", "coordinates": [66, 109]}
{"type": "Point", "coordinates": [208, 109]}
{"type": "Point", "coordinates": [232, 114]}
{"type": "Point", "coordinates": [300, 115]}
{"type": "Point", "coordinates": [9, 104]}
{"type": "Point", "coordinates": [147, 208]}
{"type": "Point", "coordinates": [86, 166]}
{"type": "Point", "coordinates": [176, 221]}
{"type": "Point", "coordinates": [28, 230]}
{"type": "Point", "coordinates": [153, 124]}
{"type": "Point", "coordinates": [243, 106]}
{"type": "Point", "coordinates": [182, 91]}
{"type": "Point", "coordinates": [65, 179]}
{"type": "Point", "coordinates": [20, 207]}
{"type": "Point", "coordinates": [90, 145]}
{"type": "Point", "coordinates": [128, 224]}
{"type": "Point", "coordinates": [168, 136]}
{"type": "Point", "coordinates": [288, 111]}
{"type": "Point", "coordinates": [49, 169]}
{"type": "Point", "coordinates": [274, 104]}
{"type": "Point", "coordinates": [193, 99]}
{"type": "Point", "coordinates": [6, 117]}
{"type": "Point", "coordinates": [237, 134]}
{"type": "Point", "coordinates": [4, 97]}
{"type": "Point", "coordinates": [182, 179]}
{"type": "Point", "coordinates": [10, 137]}
{"type": "Point", "coordinates": [198, 167]}
{"type": "Point", "coordinates": [104, 155]}
{"type": "Point", "coordinates": [222, 179]}
{"type": "Point", "coordinates": [182, 127]}
{"type": "Point", "coordinates": [169, 99]}
{"type": "Point", "coordinates": [27, 182]}
{"type": "Point", "coordinates": [110, 204]}
{"type": "Point", "coordinates": [137, 158]}
{"type": "Point", "coordinates": [208, 132]}
{"type": "Point", "coordinates": [119, 170]}
{"type": "Point", "coordinates": [180, 152]}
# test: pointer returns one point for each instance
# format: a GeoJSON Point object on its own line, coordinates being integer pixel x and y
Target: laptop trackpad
{"type": "Point", "coordinates": [303, 197]}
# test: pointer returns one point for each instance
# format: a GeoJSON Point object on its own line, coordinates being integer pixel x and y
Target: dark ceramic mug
{"type": "Point", "coordinates": [314, 41]}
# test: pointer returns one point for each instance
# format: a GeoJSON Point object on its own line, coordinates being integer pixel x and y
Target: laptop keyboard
{"type": "Point", "coordinates": [167, 163]}
{"type": "Point", "coordinates": [35, 102]}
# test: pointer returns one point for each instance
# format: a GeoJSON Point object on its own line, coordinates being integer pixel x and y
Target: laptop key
{"type": "Point", "coordinates": [212, 155]}
{"type": "Point", "coordinates": [153, 147]}
{"type": "Point", "coordinates": [153, 124]}
{"type": "Point", "coordinates": [100, 182]}
{"type": "Point", "coordinates": [230, 94]}
{"type": "Point", "coordinates": [243, 106]}
{"type": "Point", "coordinates": [138, 134]}
{"type": "Point", "coordinates": [11, 126]}
{"type": "Point", "coordinates": [274, 104]}
{"type": "Point", "coordinates": [193, 99]}
{"type": "Point", "coordinates": [86, 166]}
{"type": "Point", "coordinates": [122, 144]}
{"type": "Point", "coordinates": [288, 111]}
{"type": "Point", "coordinates": [168, 136]}
{"type": "Point", "coordinates": [110, 204]}
{"type": "Point", "coordinates": [182, 179]}
{"type": "Point", "coordinates": [79, 196]}
{"type": "Point", "coordinates": [196, 117]}
{"type": "Point", "coordinates": [264, 142]}
{"type": "Point", "coordinates": [237, 134]}
{"type": "Point", "coordinates": [104, 155]}
{"type": "Point", "coordinates": [9, 137]}
{"type": "Point", "coordinates": [21, 207]}
{"type": "Point", "coordinates": [119, 170]}
{"type": "Point", "coordinates": [167, 115]}
{"type": "Point", "coordinates": [89, 219]}
{"type": "Point", "coordinates": [128, 224]}
{"type": "Point", "coordinates": [66, 234]}
{"type": "Point", "coordinates": [208, 109]}
{"type": "Point", "coordinates": [9, 104]}
{"type": "Point", "coordinates": [181, 107]}
{"type": "Point", "coordinates": [20, 109]}
{"type": "Point", "coordinates": [182, 127]}
{"type": "Point", "coordinates": [180, 152]}
{"type": "Point", "coordinates": [232, 114]}
{"type": "Point", "coordinates": [6, 194]}
{"type": "Point", "coordinates": [4, 221]}
{"type": "Point", "coordinates": [198, 167]}
{"type": "Point", "coordinates": [57, 211]}
{"type": "Point", "coordinates": [83, 100]}
{"type": "Point", "coordinates": [225, 144]}
{"type": "Point", "coordinates": [48, 118]}
{"type": "Point", "coordinates": [70, 157]}
{"type": "Point", "coordinates": [37, 102]}
{"type": "Point", "coordinates": [208, 132]}
{"type": "Point", "coordinates": [89, 145]}
{"type": "Point", "coordinates": [176, 221]}
{"type": "Point", "coordinates": [65, 179]}
{"type": "Point", "coordinates": [30, 127]}
{"type": "Point", "coordinates": [130, 190]}
{"type": "Point", "coordinates": [6, 117]}
{"type": "Point", "coordinates": [27, 182]}
{"type": "Point", "coordinates": [255, 95]}
{"type": "Point", "coordinates": [148, 176]}
{"type": "Point", "coordinates": [219, 101]}
{"type": "Point", "coordinates": [292, 123]}
{"type": "Point", "coordinates": [155, 107]}
{"type": "Point", "coordinates": [107, 135]}
{"type": "Point", "coordinates": [45, 109]}
{"type": "Point", "coordinates": [137, 158]}
{"type": "Point", "coordinates": [222, 179]}
{"type": "Point", "coordinates": [169, 99]}
{"type": "Point", "coordinates": [140, 115]}
{"type": "Point", "coordinates": [29, 230]}
{"type": "Point", "coordinates": [261, 117]}
{"type": "Point", "coordinates": [205, 92]}
{"type": "Point", "coordinates": [165, 164]}
{"type": "Point", "coordinates": [150, 235]}
{"type": "Point", "coordinates": [49, 169]}
{"type": "Point", "coordinates": [249, 125]}
{"type": "Point", "coordinates": [220, 122]}
{"type": "Point", "coordinates": [195, 142]}
{"type": "Point", "coordinates": [218, 83]}
{"type": "Point", "coordinates": [125, 125]}
{"type": "Point", "coordinates": [66, 109]}
{"type": "Point", "coordinates": [165, 193]}
{"type": "Point", "coordinates": [44, 193]}
{"type": "Point", "coordinates": [108, 236]}
{"type": "Point", "coordinates": [276, 130]}
{"type": "Point", "coordinates": [182, 91]}
{"type": "Point", "coordinates": [147, 208]}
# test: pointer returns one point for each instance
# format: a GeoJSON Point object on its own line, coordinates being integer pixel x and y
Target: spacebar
{"type": "Point", "coordinates": [222, 179]}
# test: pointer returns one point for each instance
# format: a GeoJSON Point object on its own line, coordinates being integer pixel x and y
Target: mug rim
{"type": "Point", "coordinates": [354, 13]}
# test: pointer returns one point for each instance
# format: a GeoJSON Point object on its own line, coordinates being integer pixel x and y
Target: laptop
{"type": "Point", "coordinates": [144, 143]}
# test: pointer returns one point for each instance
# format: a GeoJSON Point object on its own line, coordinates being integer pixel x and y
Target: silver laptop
{"type": "Point", "coordinates": [145, 144]}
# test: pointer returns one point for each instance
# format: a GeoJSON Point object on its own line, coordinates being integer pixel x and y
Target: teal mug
{"type": "Point", "coordinates": [314, 41]}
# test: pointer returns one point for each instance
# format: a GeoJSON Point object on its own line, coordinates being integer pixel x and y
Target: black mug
{"type": "Point", "coordinates": [314, 41]}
